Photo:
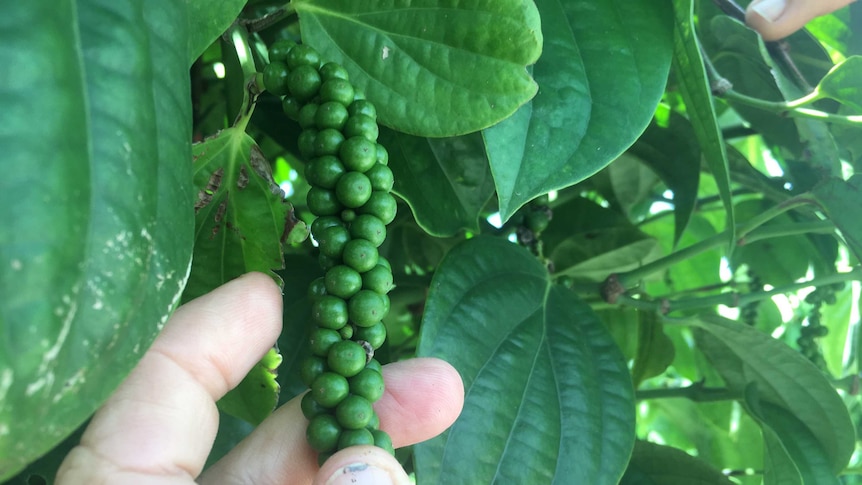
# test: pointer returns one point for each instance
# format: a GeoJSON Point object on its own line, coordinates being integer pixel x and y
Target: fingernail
{"type": "Point", "coordinates": [770, 9]}
{"type": "Point", "coordinates": [360, 474]}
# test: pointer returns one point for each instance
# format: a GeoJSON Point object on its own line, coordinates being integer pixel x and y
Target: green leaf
{"type": "Point", "coordinates": [256, 395]}
{"type": "Point", "coordinates": [743, 355]}
{"type": "Point", "coordinates": [671, 151]}
{"type": "Point", "coordinates": [633, 183]}
{"type": "Point", "coordinates": [241, 215]}
{"type": "Point", "coordinates": [394, 52]}
{"type": "Point", "coordinates": [697, 94]}
{"type": "Point", "coordinates": [653, 464]}
{"type": "Point", "coordinates": [655, 350]}
{"type": "Point", "coordinates": [595, 255]}
{"type": "Point", "coordinates": [776, 261]}
{"type": "Point", "coordinates": [299, 272]}
{"type": "Point", "coordinates": [96, 239]}
{"type": "Point", "coordinates": [445, 181]}
{"type": "Point", "coordinates": [837, 317]}
{"type": "Point", "coordinates": [548, 395]}
{"type": "Point", "coordinates": [241, 218]}
{"type": "Point", "coordinates": [208, 20]}
{"type": "Point", "coordinates": [841, 201]}
{"type": "Point", "coordinates": [792, 452]}
{"type": "Point", "coordinates": [601, 75]}
{"type": "Point", "coordinates": [842, 83]}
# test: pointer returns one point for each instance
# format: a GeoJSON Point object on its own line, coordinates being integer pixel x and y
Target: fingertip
{"type": "Point", "coordinates": [361, 465]}
{"type": "Point", "coordinates": [438, 406]}
{"type": "Point", "coordinates": [776, 19]}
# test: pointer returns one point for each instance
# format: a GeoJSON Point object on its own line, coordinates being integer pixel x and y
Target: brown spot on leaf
{"type": "Point", "coordinates": [263, 169]}
{"type": "Point", "coordinates": [205, 195]}
{"type": "Point", "coordinates": [242, 178]}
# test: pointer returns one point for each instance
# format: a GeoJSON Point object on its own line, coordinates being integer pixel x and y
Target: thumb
{"type": "Point", "coordinates": [775, 19]}
{"type": "Point", "coordinates": [361, 465]}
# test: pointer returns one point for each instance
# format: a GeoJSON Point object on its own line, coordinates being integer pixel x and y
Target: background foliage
{"type": "Point", "coordinates": [631, 226]}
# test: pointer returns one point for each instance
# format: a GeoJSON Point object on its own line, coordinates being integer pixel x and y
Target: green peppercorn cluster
{"type": "Point", "coordinates": [814, 328]}
{"type": "Point", "coordinates": [350, 184]}
{"type": "Point", "coordinates": [748, 313]}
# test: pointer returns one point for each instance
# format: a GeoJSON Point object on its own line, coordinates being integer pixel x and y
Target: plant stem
{"type": "Point", "coordinates": [631, 278]}
{"type": "Point", "coordinates": [696, 392]}
{"type": "Point", "coordinates": [793, 108]}
{"type": "Point", "coordinates": [734, 299]}
{"type": "Point", "coordinates": [260, 23]}
{"type": "Point", "coordinates": [238, 36]}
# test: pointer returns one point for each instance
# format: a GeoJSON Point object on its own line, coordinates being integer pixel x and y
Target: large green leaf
{"type": "Point", "coordinates": [601, 75]}
{"type": "Point", "coordinates": [548, 396]}
{"type": "Point", "coordinates": [241, 218]}
{"type": "Point", "coordinates": [434, 68]}
{"type": "Point", "coordinates": [96, 240]}
{"type": "Point", "coordinates": [207, 20]}
{"type": "Point", "coordinates": [745, 356]}
{"type": "Point", "coordinates": [653, 464]}
{"type": "Point", "coordinates": [697, 94]}
{"type": "Point", "coordinates": [445, 181]}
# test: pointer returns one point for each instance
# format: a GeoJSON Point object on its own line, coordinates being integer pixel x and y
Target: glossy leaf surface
{"type": "Point", "coordinates": [548, 396]}
{"type": "Point", "coordinates": [600, 78]}
{"type": "Point", "coordinates": [96, 244]}
{"type": "Point", "coordinates": [393, 51]}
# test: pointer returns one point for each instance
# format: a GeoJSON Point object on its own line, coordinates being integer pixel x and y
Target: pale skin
{"type": "Point", "coordinates": [776, 20]}
{"type": "Point", "coordinates": [159, 426]}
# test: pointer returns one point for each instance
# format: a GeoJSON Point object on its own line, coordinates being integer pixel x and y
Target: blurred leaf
{"type": "Point", "coordinates": [842, 84]}
{"type": "Point", "coordinates": [841, 201]}
{"type": "Point", "coordinates": [837, 318]}
{"type": "Point", "coordinates": [655, 351]}
{"type": "Point", "coordinates": [548, 395]}
{"type": "Point", "coordinates": [445, 181]}
{"type": "Point", "coordinates": [699, 271]}
{"type": "Point", "coordinates": [393, 51]}
{"type": "Point", "coordinates": [207, 21]}
{"type": "Point", "coordinates": [697, 93]}
{"type": "Point", "coordinates": [633, 183]}
{"type": "Point", "coordinates": [579, 215]}
{"type": "Point", "coordinates": [97, 224]}
{"type": "Point", "coordinates": [600, 78]}
{"type": "Point", "coordinates": [411, 247]}
{"type": "Point", "coordinates": [672, 152]}
{"type": "Point", "coordinates": [298, 273]}
{"type": "Point", "coordinates": [793, 453]}
{"type": "Point", "coordinates": [619, 322]}
{"type": "Point", "coordinates": [595, 255]}
{"type": "Point", "coordinates": [653, 464]}
{"type": "Point", "coordinates": [776, 261]}
{"type": "Point", "coordinates": [743, 355]}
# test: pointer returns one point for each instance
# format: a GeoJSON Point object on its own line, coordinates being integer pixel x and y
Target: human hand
{"type": "Point", "coordinates": [775, 19]}
{"type": "Point", "coordinates": [159, 426]}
